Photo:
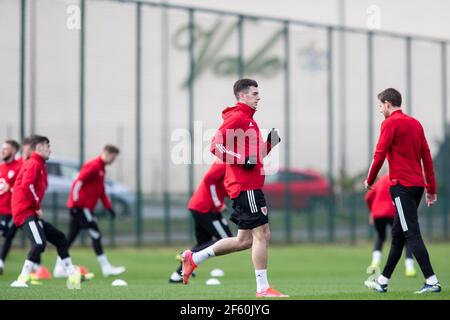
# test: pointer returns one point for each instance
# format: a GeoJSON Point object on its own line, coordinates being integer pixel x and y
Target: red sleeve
{"type": "Point", "coordinates": [428, 166]}
{"type": "Point", "coordinates": [384, 142]}
{"type": "Point", "coordinates": [212, 179]}
{"type": "Point", "coordinates": [28, 182]}
{"type": "Point", "coordinates": [220, 146]}
{"type": "Point", "coordinates": [105, 200]}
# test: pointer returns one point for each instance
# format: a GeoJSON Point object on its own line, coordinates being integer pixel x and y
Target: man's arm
{"type": "Point", "coordinates": [29, 180]}
{"type": "Point", "coordinates": [87, 172]}
{"type": "Point", "coordinates": [429, 171]}
{"type": "Point", "coordinates": [383, 145]}
{"type": "Point", "coordinates": [220, 144]}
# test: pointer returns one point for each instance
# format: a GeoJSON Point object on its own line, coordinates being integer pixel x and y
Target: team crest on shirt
{"type": "Point", "coordinates": [11, 174]}
{"type": "Point", "coordinates": [264, 210]}
{"type": "Point", "coordinates": [101, 173]}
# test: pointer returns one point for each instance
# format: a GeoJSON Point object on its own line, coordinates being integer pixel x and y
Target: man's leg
{"type": "Point", "coordinates": [9, 234]}
{"type": "Point", "coordinates": [89, 222]}
{"type": "Point", "coordinates": [34, 231]}
{"type": "Point", "coordinates": [58, 239]}
{"type": "Point", "coordinates": [380, 228]}
{"type": "Point", "coordinates": [74, 228]}
{"type": "Point", "coordinates": [261, 238]}
{"type": "Point", "coordinates": [413, 234]}
{"type": "Point", "coordinates": [242, 241]}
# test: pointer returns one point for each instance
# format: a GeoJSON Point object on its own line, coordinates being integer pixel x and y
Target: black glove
{"type": "Point", "coordinates": [250, 163]}
{"type": "Point", "coordinates": [273, 138]}
{"type": "Point", "coordinates": [112, 213]}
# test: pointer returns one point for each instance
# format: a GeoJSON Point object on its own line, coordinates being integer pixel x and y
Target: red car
{"type": "Point", "coordinates": [307, 188]}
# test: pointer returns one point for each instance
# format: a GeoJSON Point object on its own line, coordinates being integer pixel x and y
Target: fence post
{"type": "Point", "coordinates": [191, 111]}
{"type": "Point", "coordinates": [138, 126]}
{"type": "Point", "coordinates": [287, 150]}
{"type": "Point", "coordinates": [445, 158]}
{"type": "Point", "coordinates": [331, 206]}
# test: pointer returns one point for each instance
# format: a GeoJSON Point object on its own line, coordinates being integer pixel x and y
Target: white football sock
{"type": "Point", "coordinates": [409, 263]}
{"type": "Point", "coordinates": [103, 260]}
{"type": "Point", "coordinates": [382, 279]}
{"type": "Point", "coordinates": [68, 266]}
{"type": "Point", "coordinates": [376, 257]}
{"type": "Point", "coordinates": [432, 280]}
{"type": "Point", "coordinates": [203, 255]}
{"type": "Point", "coordinates": [261, 280]}
{"type": "Point", "coordinates": [27, 268]}
{"type": "Point", "coordinates": [1, 263]}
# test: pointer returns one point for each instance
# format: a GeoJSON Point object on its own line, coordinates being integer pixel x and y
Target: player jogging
{"type": "Point", "coordinates": [29, 190]}
{"type": "Point", "coordinates": [238, 143]}
{"type": "Point", "coordinates": [402, 140]}
{"type": "Point", "coordinates": [86, 190]}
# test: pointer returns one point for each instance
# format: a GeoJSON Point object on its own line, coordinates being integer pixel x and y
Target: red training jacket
{"type": "Point", "coordinates": [211, 192]}
{"type": "Point", "coordinates": [89, 186]}
{"type": "Point", "coordinates": [403, 142]}
{"type": "Point", "coordinates": [29, 189]}
{"type": "Point", "coordinates": [237, 138]}
{"type": "Point", "coordinates": [8, 174]}
{"type": "Point", "coordinates": [379, 199]}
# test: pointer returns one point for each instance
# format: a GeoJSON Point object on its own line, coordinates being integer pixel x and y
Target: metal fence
{"type": "Point", "coordinates": [141, 58]}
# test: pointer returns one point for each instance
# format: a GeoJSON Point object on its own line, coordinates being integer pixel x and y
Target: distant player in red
{"type": "Point", "coordinates": [9, 169]}
{"type": "Point", "coordinates": [382, 213]}
{"type": "Point", "coordinates": [239, 143]}
{"type": "Point", "coordinates": [87, 189]}
{"type": "Point", "coordinates": [29, 190]}
{"type": "Point", "coordinates": [206, 207]}
{"type": "Point", "coordinates": [402, 141]}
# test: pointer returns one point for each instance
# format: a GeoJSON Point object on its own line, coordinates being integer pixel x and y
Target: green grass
{"type": "Point", "coordinates": [302, 271]}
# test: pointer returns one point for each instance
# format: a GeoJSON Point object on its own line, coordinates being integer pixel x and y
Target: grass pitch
{"type": "Point", "coordinates": [303, 271]}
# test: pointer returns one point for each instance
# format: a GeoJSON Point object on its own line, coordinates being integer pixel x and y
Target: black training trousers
{"type": "Point", "coordinates": [406, 228]}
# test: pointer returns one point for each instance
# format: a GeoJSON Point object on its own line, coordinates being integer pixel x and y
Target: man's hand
{"type": "Point", "coordinates": [367, 186]}
{"type": "Point", "coordinates": [39, 213]}
{"type": "Point", "coordinates": [223, 208]}
{"type": "Point", "coordinates": [112, 213]}
{"type": "Point", "coordinates": [273, 138]}
{"type": "Point", "coordinates": [371, 220]}
{"type": "Point", "coordinates": [250, 163]}
{"type": "Point", "coordinates": [430, 199]}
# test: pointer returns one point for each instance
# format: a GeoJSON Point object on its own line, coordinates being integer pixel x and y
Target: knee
{"type": "Point", "coordinates": [245, 243]}
{"type": "Point", "coordinates": [39, 248]}
{"type": "Point", "coordinates": [95, 234]}
{"type": "Point", "coordinates": [263, 236]}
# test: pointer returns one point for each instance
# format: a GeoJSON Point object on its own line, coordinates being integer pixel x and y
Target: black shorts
{"type": "Point", "coordinates": [209, 226]}
{"type": "Point", "coordinates": [250, 210]}
{"type": "Point", "coordinates": [6, 222]}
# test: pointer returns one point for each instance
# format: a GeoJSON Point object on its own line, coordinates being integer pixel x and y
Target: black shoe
{"type": "Point", "coordinates": [1, 271]}
{"type": "Point", "coordinates": [435, 288]}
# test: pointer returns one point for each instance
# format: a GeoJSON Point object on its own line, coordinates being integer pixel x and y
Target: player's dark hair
{"type": "Point", "coordinates": [391, 95]}
{"type": "Point", "coordinates": [14, 144]}
{"type": "Point", "coordinates": [36, 139]}
{"type": "Point", "coordinates": [26, 141]}
{"type": "Point", "coordinates": [111, 149]}
{"type": "Point", "coordinates": [243, 85]}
